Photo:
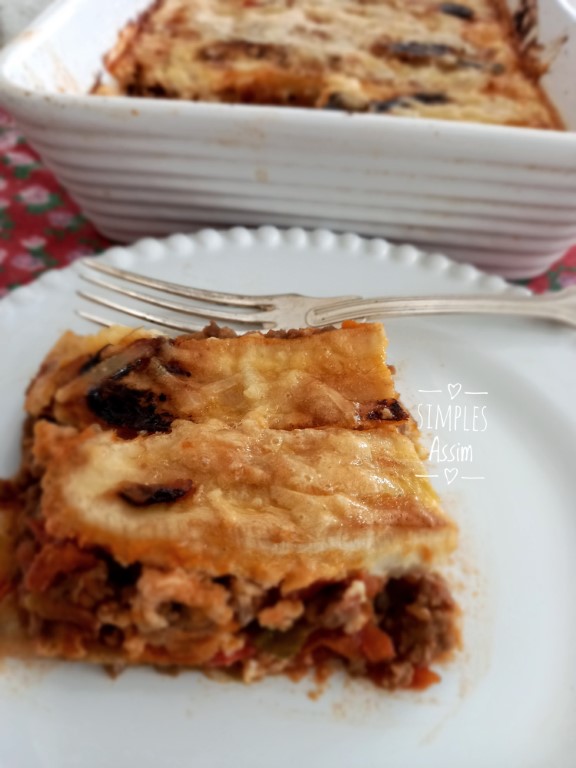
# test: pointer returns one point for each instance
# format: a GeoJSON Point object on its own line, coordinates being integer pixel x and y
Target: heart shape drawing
{"type": "Point", "coordinates": [454, 390]}
{"type": "Point", "coordinates": [450, 474]}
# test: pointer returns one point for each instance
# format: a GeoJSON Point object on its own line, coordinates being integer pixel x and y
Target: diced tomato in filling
{"type": "Point", "coordinates": [424, 678]}
{"type": "Point", "coordinates": [371, 644]}
{"type": "Point", "coordinates": [376, 644]}
{"type": "Point", "coordinates": [223, 660]}
{"type": "Point", "coordinates": [347, 646]}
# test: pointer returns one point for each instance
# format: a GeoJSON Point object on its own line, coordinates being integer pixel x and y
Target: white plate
{"type": "Point", "coordinates": [509, 700]}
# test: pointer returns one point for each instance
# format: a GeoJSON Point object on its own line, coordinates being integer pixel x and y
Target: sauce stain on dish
{"type": "Point", "coordinates": [19, 677]}
{"type": "Point", "coordinates": [64, 80]}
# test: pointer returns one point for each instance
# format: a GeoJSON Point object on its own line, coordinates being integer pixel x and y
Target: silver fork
{"type": "Point", "coordinates": [292, 310]}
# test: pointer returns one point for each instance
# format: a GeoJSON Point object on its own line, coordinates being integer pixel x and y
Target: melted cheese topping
{"type": "Point", "coordinates": [423, 58]}
{"type": "Point", "coordinates": [282, 459]}
{"type": "Point", "coordinates": [317, 379]}
{"type": "Point", "coordinates": [275, 506]}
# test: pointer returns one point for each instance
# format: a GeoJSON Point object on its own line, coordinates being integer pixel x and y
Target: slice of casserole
{"type": "Point", "coordinates": [455, 61]}
{"type": "Point", "coordinates": [255, 503]}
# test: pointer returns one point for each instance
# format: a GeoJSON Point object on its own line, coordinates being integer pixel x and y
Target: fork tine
{"type": "Point", "coordinates": [161, 321]}
{"type": "Point", "coordinates": [214, 297]}
{"type": "Point", "coordinates": [251, 318]}
{"type": "Point", "coordinates": [94, 318]}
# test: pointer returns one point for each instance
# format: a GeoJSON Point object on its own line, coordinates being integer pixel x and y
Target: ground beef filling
{"type": "Point", "coordinates": [81, 603]}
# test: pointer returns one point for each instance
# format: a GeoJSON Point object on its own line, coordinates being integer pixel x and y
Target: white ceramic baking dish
{"type": "Point", "coordinates": [503, 198]}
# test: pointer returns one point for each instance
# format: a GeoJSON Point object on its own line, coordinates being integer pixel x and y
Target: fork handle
{"type": "Point", "coordinates": [560, 307]}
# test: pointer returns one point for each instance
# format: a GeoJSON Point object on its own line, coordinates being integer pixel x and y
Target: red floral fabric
{"type": "Point", "coordinates": [41, 227]}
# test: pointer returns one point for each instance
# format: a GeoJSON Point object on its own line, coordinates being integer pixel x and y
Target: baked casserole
{"type": "Point", "coordinates": [251, 503]}
{"type": "Point", "coordinates": [455, 61]}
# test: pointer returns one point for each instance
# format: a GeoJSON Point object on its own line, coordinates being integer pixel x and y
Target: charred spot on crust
{"type": "Point", "coordinates": [155, 90]}
{"type": "Point", "coordinates": [382, 410]}
{"type": "Point", "coordinates": [431, 98]}
{"type": "Point", "coordinates": [228, 50]}
{"type": "Point", "coordinates": [174, 367]}
{"type": "Point", "coordinates": [460, 11]}
{"type": "Point", "coordinates": [421, 54]}
{"type": "Point", "coordinates": [147, 494]}
{"type": "Point", "coordinates": [92, 362]}
{"type": "Point", "coordinates": [525, 19]}
{"type": "Point", "coordinates": [413, 51]}
{"type": "Point", "coordinates": [387, 104]}
{"type": "Point", "coordinates": [404, 101]}
{"type": "Point", "coordinates": [138, 365]}
{"type": "Point", "coordinates": [336, 101]}
{"type": "Point", "coordinates": [136, 410]}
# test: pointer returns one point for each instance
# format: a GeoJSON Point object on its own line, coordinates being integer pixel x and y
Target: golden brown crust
{"type": "Point", "coordinates": [296, 380]}
{"type": "Point", "coordinates": [457, 61]}
{"type": "Point", "coordinates": [277, 507]}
